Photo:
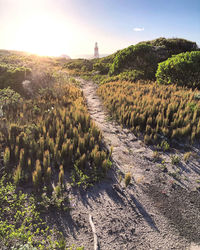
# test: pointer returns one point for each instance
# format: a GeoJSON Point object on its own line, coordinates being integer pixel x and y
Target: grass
{"type": "Point", "coordinates": [187, 156]}
{"type": "Point", "coordinates": [56, 130]}
{"type": "Point", "coordinates": [156, 156]}
{"type": "Point", "coordinates": [47, 143]}
{"type": "Point", "coordinates": [175, 159]}
{"type": "Point", "coordinates": [127, 179]}
{"type": "Point", "coordinates": [155, 111]}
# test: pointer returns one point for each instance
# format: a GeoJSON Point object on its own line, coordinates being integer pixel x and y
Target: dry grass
{"type": "Point", "coordinates": [155, 111]}
{"type": "Point", "coordinates": [48, 131]}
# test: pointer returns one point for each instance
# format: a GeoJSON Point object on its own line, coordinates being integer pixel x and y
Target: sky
{"type": "Point", "coordinates": [71, 27]}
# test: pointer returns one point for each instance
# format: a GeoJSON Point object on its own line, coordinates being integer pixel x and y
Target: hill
{"type": "Point", "coordinates": [136, 62]}
{"type": "Point", "coordinates": [122, 157]}
{"type": "Point", "coordinates": [145, 56]}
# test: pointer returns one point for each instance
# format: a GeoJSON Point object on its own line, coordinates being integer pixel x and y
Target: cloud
{"type": "Point", "coordinates": [138, 29]}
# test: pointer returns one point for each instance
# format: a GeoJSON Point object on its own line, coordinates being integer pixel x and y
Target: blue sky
{"type": "Point", "coordinates": [73, 26]}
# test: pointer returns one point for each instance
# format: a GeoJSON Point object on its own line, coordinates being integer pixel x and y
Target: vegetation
{"type": "Point", "coordinates": [173, 45]}
{"type": "Point", "coordinates": [134, 63]}
{"type": "Point", "coordinates": [156, 156]}
{"type": "Point", "coordinates": [175, 159]}
{"type": "Point", "coordinates": [161, 113]}
{"type": "Point", "coordinates": [13, 76]}
{"type": "Point", "coordinates": [187, 156]}
{"type": "Point", "coordinates": [182, 69]}
{"type": "Point", "coordinates": [132, 75]}
{"type": "Point", "coordinates": [138, 57]}
{"type": "Point", "coordinates": [79, 64]}
{"type": "Point", "coordinates": [127, 179]}
{"type": "Point", "coordinates": [50, 130]}
{"type": "Point", "coordinates": [26, 73]}
{"type": "Point", "coordinates": [47, 143]}
{"type": "Point", "coordinates": [21, 226]}
{"type": "Point", "coordinates": [145, 56]}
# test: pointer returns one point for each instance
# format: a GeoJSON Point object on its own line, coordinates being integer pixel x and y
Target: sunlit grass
{"type": "Point", "coordinates": [155, 111]}
{"type": "Point", "coordinates": [48, 135]}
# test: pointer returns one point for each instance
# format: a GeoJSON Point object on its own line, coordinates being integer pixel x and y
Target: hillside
{"type": "Point", "coordinates": [137, 62]}
{"type": "Point", "coordinates": [121, 158]}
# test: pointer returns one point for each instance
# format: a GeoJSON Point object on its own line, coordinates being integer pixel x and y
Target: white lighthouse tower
{"type": "Point", "coordinates": [96, 51]}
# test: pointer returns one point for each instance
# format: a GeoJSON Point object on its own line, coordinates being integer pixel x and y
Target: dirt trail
{"type": "Point", "coordinates": [151, 213]}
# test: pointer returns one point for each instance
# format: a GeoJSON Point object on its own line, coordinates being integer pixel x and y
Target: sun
{"type": "Point", "coordinates": [43, 35]}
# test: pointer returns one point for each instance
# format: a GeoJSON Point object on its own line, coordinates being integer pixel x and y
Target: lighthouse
{"type": "Point", "coordinates": [96, 51]}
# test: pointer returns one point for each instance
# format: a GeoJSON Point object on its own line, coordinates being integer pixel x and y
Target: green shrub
{"type": "Point", "coordinates": [132, 76]}
{"type": "Point", "coordinates": [175, 159]}
{"type": "Point", "coordinates": [145, 56]}
{"type": "Point", "coordinates": [9, 98]}
{"type": "Point", "coordinates": [103, 68]}
{"type": "Point", "coordinates": [182, 69]}
{"type": "Point", "coordinates": [79, 64]}
{"type": "Point", "coordinates": [137, 57]}
{"type": "Point", "coordinates": [21, 223]}
{"type": "Point", "coordinates": [173, 45]}
{"type": "Point", "coordinates": [13, 77]}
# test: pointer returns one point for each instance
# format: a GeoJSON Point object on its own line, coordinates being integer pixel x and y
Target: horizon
{"type": "Point", "coordinates": [50, 28]}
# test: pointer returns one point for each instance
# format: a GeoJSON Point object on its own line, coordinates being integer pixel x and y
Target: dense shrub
{"type": "Point", "coordinates": [21, 223]}
{"type": "Point", "coordinates": [182, 69]}
{"type": "Point", "coordinates": [132, 76]}
{"type": "Point", "coordinates": [145, 56]}
{"type": "Point", "coordinates": [139, 57]}
{"type": "Point", "coordinates": [103, 68]}
{"type": "Point", "coordinates": [156, 111]}
{"type": "Point", "coordinates": [9, 98]}
{"type": "Point", "coordinates": [13, 77]}
{"type": "Point", "coordinates": [79, 64]}
{"type": "Point", "coordinates": [173, 45]}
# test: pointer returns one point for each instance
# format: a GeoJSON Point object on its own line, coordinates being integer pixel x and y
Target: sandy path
{"type": "Point", "coordinates": [152, 213]}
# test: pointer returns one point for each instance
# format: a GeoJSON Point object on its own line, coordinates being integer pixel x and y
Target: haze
{"type": "Point", "coordinates": [48, 27]}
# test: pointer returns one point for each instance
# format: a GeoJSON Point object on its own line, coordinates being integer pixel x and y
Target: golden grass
{"type": "Point", "coordinates": [155, 110]}
{"type": "Point", "coordinates": [52, 130]}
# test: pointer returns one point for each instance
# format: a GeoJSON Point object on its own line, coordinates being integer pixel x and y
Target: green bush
{"type": "Point", "coordinates": [79, 64]}
{"type": "Point", "coordinates": [181, 69]}
{"type": "Point", "coordinates": [173, 45]}
{"type": "Point", "coordinates": [21, 223]}
{"type": "Point", "coordinates": [137, 57]}
{"type": "Point", "coordinates": [13, 76]}
{"type": "Point", "coordinates": [9, 98]}
{"type": "Point", "coordinates": [103, 68]}
{"type": "Point", "coordinates": [131, 76]}
{"type": "Point", "coordinates": [145, 56]}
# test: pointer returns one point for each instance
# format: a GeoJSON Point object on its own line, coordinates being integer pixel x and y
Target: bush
{"type": "Point", "coordinates": [79, 64]}
{"type": "Point", "coordinates": [9, 98]}
{"type": "Point", "coordinates": [132, 76]}
{"type": "Point", "coordinates": [137, 57]}
{"type": "Point", "coordinates": [145, 56]}
{"type": "Point", "coordinates": [182, 69]}
{"type": "Point", "coordinates": [13, 77]}
{"type": "Point", "coordinates": [20, 222]}
{"type": "Point", "coordinates": [173, 45]}
{"type": "Point", "coordinates": [103, 68]}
